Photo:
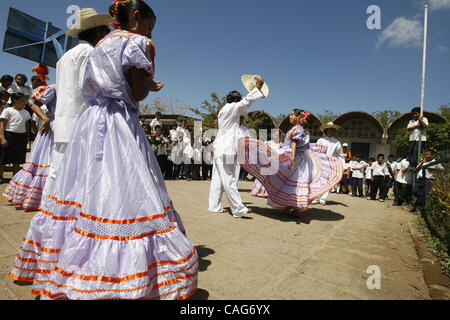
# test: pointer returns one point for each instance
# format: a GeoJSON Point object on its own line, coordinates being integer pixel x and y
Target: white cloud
{"type": "Point", "coordinates": [403, 33]}
{"type": "Point", "coordinates": [440, 4]}
{"type": "Point", "coordinates": [443, 49]}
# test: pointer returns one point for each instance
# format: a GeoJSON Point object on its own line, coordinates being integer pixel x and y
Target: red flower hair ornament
{"type": "Point", "coordinates": [115, 11]}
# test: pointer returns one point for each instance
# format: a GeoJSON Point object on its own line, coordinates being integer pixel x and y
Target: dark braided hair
{"type": "Point", "coordinates": [121, 10]}
{"type": "Point", "coordinates": [299, 112]}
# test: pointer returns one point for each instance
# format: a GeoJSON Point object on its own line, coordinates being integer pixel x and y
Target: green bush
{"type": "Point", "coordinates": [438, 139]}
{"type": "Point", "coordinates": [437, 213]}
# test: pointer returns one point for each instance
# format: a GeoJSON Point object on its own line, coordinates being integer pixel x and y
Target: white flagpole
{"type": "Point", "coordinates": [424, 65]}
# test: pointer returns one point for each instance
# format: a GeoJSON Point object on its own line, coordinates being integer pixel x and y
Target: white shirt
{"type": "Point", "coordinates": [429, 171]}
{"type": "Point", "coordinates": [154, 123]}
{"type": "Point", "coordinates": [379, 169]}
{"type": "Point", "coordinates": [3, 88]}
{"type": "Point", "coordinates": [188, 151]}
{"type": "Point", "coordinates": [15, 120]}
{"type": "Point", "coordinates": [393, 165]}
{"type": "Point", "coordinates": [414, 134]}
{"type": "Point", "coordinates": [368, 172]}
{"type": "Point", "coordinates": [162, 148]}
{"type": "Point", "coordinates": [26, 90]}
{"type": "Point", "coordinates": [174, 135]}
{"type": "Point", "coordinates": [243, 132]}
{"type": "Point", "coordinates": [334, 147]}
{"type": "Point", "coordinates": [404, 173]}
{"type": "Point", "coordinates": [69, 89]}
{"type": "Point", "coordinates": [358, 169]}
{"type": "Point", "coordinates": [226, 142]}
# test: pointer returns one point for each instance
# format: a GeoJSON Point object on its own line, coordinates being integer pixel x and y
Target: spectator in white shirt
{"type": "Point", "coordinates": [208, 148]}
{"type": "Point", "coordinates": [357, 168]}
{"type": "Point", "coordinates": [424, 184]}
{"type": "Point", "coordinates": [13, 133]}
{"type": "Point", "coordinates": [161, 149]}
{"type": "Point", "coordinates": [403, 181]}
{"type": "Point", "coordinates": [188, 155]}
{"type": "Point", "coordinates": [6, 82]}
{"type": "Point", "coordinates": [416, 125]}
{"type": "Point", "coordinates": [21, 87]}
{"type": "Point", "coordinates": [156, 122]}
{"type": "Point", "coordinates": [173, 133]}
{"type": "Point", "coordinates": [391, 166]}
{"type": "Point", "coordinates": [379, 173]}
{"type": "Point", "coordinates": [4, 98]}
{"type": "Point", "coordinates": [368, 176]}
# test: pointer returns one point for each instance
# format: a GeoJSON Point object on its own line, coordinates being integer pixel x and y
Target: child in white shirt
{"type": "Point", "coordinates": [13, 133]}
{"type": "Point", "coordinates": [357, 168]}
{"type": "Point", "coordinates": [379, 172]}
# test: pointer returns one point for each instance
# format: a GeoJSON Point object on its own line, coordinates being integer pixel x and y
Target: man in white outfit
{"type": "Point", "coordinates": [224, 177]}
{"type": "Point", "coordinates": [92, 27]}
{"type": "Point", "coordinates": [334, 149]}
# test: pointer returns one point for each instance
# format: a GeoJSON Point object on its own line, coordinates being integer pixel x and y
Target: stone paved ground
{"type": "Point", "coordinates": [322, 255]}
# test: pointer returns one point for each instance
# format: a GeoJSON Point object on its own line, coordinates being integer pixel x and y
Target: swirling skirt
{"type": "Point", "coordinates": [258, 190]}
{"type": "Point", "coordinates": [313, 174]}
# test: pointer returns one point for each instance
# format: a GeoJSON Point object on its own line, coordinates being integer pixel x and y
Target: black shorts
{"type": "Point", "coordinates": [16, 150]}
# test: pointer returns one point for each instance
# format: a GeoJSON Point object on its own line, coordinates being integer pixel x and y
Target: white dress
{"type": "Point", "coordinates": [109, 231]}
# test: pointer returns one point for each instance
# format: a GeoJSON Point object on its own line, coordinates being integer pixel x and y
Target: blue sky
{"type": "Point", "coordinates": [314, 54]}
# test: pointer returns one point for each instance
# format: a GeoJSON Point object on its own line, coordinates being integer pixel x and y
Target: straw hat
{"type": "Point", "coordinates": [88, 18]}
{"type": "Point", "coordinates": [329, 125]}
{"type": "Point", "coordinates": [249, 81]}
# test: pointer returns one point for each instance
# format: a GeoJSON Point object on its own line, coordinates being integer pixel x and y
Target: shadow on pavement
{"type": "Point", "coordinates": [201, 294]}
{"type": "Point", "coordinates": [203, 252]}
{"type": "Point", "coordinates": [334, 203]}
{"type": "Point", "coordinates": [314, 214]}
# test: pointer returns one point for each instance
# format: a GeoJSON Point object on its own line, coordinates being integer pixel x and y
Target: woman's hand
{"type": "Point", "coordinates": [3, 142]}
{"type": "Point", "coordinates": [292, 165]}
{"type": "Point", "coordinates": [45, 127]}
{"type": "Point", "coordinates": [156, 86]}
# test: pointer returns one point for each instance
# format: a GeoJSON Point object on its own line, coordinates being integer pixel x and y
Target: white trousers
{"type": "Point", "coordinates": [55, 163]}
{"type": "Point", "coordinates": [225, 178]}
{"type": "Point", "coordinates": [324, 197]}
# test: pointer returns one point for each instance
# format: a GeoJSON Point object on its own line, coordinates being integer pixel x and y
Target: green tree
{"type": "Point", "coordinates": [445, 111]}
{"type": "Point", "coordinates": [386, 117]}
{"type": "Point", "coordinates": [165, 106]}
{"type": "Point", "coordinates": [438, 138]}
{"type": "Point", "coordinates": [259, 120]}
{"type": "Point", "coordinates": [209, 111]}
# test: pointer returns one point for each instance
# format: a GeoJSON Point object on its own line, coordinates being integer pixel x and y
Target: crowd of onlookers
{"type": "Point", "coordinates": [180, 157]}
{"type": "Point", "coordinates": [372, 179]}
{"type": "Point", "coordinates": [376, 177]}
